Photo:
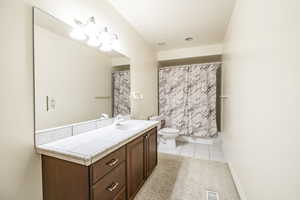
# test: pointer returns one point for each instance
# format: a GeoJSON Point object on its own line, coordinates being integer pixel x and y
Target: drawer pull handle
{"type": "Point", "coordinates": [112, 187]}
{"type": "Point", "coordinates": [113, 162]}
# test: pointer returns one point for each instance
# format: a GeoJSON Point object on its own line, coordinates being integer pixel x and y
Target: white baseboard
{"type": "Point", "coordinates": [237, 182]}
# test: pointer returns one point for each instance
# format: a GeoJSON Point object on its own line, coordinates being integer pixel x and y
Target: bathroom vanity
{"type": "Point", "coordinates": [85, 156]}
{"type": "Point", "coordinates": [76, 168]}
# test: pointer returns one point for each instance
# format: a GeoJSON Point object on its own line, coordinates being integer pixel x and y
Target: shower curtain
{"type": "Point", "coordinates": [121, 92]}
{"type": "Point", "coordinates": [187, 98]}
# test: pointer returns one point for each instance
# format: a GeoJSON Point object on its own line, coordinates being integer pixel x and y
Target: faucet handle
{"type": "Point", "coordinates": [104, 116]}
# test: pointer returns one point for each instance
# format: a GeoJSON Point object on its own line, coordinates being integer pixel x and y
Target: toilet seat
{"type": "Point", "coordinates": [168, 133]}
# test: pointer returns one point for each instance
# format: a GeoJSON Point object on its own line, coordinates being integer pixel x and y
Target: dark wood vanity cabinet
{"type": "Point", "coordinates": [150, 152]}
{"type": "Point", "coordinates": [110, 186]}
{"type": "Point", "coordinates": [64, 180]}
{"type": "Point", "coordinates": [117, 176]}
{"type": "Point", "coordinates": [141, 160]}
{"type": "Point", "coordinates": [135, 166]}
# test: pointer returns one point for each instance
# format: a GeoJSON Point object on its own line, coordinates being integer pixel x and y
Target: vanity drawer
{"type": "Point", "coordinates": [110, 186]}
{"type": "Point", "coordinates": [121, 195]}
{"type": "Point", "coordinates": [103, 166]}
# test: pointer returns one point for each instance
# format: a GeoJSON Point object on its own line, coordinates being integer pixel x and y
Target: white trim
{"type": "Point", "coordinates": [237, 182]}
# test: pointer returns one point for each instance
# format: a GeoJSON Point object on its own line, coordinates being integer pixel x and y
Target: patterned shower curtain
{"type": "Point", "coordinates": [187, 98]}
{"type": "Point", "coordinates": [121, 92]}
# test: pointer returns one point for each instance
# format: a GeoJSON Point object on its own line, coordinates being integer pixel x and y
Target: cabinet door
{"type": "Point", "coordinates": [151, 148]}
{"type": "Point", "coordinates": [64, 180]}
{"type": "Point", "coordinates": [135, 166]}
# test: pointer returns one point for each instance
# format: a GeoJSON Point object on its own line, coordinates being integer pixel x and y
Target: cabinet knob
{"type": "Point", "coordinates": [112, 187]}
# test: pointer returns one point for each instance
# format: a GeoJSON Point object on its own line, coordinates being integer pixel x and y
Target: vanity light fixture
{"type": "Point", "coordinates": [93, 41]}
{"type": "Point", "coordinates": [105, 47]}
{"type": "Point", "coordinates": [104, 39]}
{"type": "Point", "coordinates": [90, 27]}
{"type": "Point", "coordinates": [78, 34]}
{"type": "Point", "coordinates": [108, 40]}
{"type": "Point", "coordinates": [105, 35]}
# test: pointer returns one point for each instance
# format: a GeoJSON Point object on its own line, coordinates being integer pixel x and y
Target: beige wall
{"type": "Point", "coordinates": [72, 74]}
{"type": "Point", "coordinates": [20, 172]}
{"type": "Point", "coordinates": [261, 117]}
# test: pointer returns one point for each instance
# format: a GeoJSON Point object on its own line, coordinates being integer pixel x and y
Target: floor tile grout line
{"type": "Point", "coordinates": [194, 150]}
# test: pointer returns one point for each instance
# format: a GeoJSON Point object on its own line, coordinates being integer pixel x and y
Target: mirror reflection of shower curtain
{"type": "Point", "coordinates": [121, 92]}
{"type": "Point", "coordinates": [187, 98]}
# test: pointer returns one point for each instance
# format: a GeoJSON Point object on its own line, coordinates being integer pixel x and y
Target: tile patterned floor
{"type": "Point", "coordinates": [186, 178]}
{"type": "Point", "coordinates": [195, 150]}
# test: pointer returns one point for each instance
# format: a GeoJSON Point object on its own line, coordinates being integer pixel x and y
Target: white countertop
{"type": "Point", "coordinates": [91, 146]}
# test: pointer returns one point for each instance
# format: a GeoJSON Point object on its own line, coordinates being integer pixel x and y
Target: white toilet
{"type": "Point", "coordinates": [167, 136]}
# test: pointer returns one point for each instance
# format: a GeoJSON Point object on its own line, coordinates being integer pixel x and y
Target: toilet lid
{"type": "Point", "coordinates": [169, 130]}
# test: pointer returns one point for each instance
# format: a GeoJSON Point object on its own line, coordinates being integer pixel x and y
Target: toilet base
{"type": "Point", "coordinates": [167, 143]}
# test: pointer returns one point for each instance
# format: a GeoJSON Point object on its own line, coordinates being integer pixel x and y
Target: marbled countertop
{"type": "Point", "coordinates": [91, 146]}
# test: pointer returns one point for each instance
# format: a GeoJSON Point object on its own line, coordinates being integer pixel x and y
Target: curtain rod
{"type": "Point", "coordinates": [218, 62]}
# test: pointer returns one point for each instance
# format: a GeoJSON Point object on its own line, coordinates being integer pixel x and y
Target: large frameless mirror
{"type": "Point", "coordinates": [75, 81]}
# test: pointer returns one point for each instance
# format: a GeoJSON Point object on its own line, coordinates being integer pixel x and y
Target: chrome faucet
{"type": "Point", "coordinates": [118, 119]}
{"type": "Point", "coordinates": [104, 116]}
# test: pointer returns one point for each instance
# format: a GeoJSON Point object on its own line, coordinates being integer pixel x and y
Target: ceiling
{"type": "Point", "coordinates": [171, 21]}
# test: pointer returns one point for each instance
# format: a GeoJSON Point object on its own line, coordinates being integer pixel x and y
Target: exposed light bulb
{"type": "Point", "coordinates": [106, 39]}
{"type": "Point", "coordinates": [78, 34]}
{"type": "Point", "coordinates": [116, 44]}
{"type": "Point", "coordinates": [93, 41]}
{"type": "Point", "coordinates": [105, 36]}
{"type": "Point", "coordinates": [106, 47]}
{"type": "Point", "coordinates": [90, 29]}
